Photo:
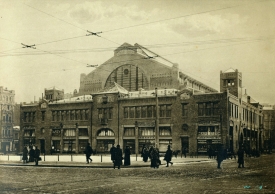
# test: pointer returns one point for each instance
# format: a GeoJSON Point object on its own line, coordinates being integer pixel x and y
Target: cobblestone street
{"type": "Point", "coordinates": [256, 177]}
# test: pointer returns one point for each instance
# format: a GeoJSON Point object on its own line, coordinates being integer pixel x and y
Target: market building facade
{"type": "Point", "coordinates": [126, 101]}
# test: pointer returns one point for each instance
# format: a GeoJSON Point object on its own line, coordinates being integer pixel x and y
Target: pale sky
{"type": "Point", "coordinates": [203, 37]}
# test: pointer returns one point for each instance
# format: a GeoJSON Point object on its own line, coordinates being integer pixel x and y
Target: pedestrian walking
{"type": "Point", "coordinates": [144, 153]}
{"type": "Point", "coordinates": [112, 152]}
{"type": "Point", "coordinates": [25, 155]}
{"type": "Point", "coordinates": [36, 155]}
{"type": "Point", "coordinates": [168, 156]}
{"type": "Point", "coordinates": [155, 161]}
{"type": "Point", "coordinates": [88, 152]}
{"type": "Point", "coordinates": [31, 154]}
{"type": "Point", "coordinates": [240, 158]}
{"type": "Point", "coordinates": [127, 154]}
{"type": "Point", "coordinates": [220, 156]}
{"type": "Point", "coordinates": [118, 157]}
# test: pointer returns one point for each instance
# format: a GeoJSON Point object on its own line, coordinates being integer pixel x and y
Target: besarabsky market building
{"type": "Point", "coordinates": [133, 100]}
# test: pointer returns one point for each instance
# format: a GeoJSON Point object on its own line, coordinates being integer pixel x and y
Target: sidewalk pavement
{"type": "Point", "coordinates": [83, 164]}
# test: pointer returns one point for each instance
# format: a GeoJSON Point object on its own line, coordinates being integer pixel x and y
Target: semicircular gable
{"type": "Point", "coordinates": [129, 76]}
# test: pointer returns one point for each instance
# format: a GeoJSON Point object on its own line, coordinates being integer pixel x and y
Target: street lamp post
{"type": "Point", "coordinates": [157, 119]}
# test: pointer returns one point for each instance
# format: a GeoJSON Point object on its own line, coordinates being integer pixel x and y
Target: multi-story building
{"type": "Point", "coordinates": [269, 127]}
{"type": "Point", "coordinates": [138, 98]}
{"type": "Point", "coordinates": [6, 115]}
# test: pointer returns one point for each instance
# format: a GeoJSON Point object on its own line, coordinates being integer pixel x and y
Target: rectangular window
{"type": "Point", "coordinates": [168, 110]}
{"type": "Point", "coordinates": [165, 131]}
{"type": "Point", "coordinates": [137, 112]}
{"type": "Point", "coordinates": [215, 108]}
{"type": "Point", "coordinates": [125, 112]}
{"type": "Point", "coordinates": [162, 109]}
{"type": "Point", "coordinates": [129, 132]}
{"type": "Point", "coordinates": [86, 114]}
{"type": "Point", "coordinates": [83, 132]}
{"type": "Point", "coordinates": [208, 109]}
{"type": "Point", "coordinates": [201, 109]}
{"type": "Point", "coordinates": [149, 111]}
{"type": "Point", "coordinates": [184, 110]}
{"type": "Point", "coordinates": [143, 111]}
{"type": "Point", "coordinates": [53, 115]}
{"type": "Point", "coordinates": [69, 132]}
{"type": "Point", "coordinates": [132, 112]}
{"type": "Point", "coordinates": [110, 113]}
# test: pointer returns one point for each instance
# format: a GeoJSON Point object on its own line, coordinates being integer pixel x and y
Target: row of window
{"type": "Point", "coordinates": [6, 119]}
{"type": "Point", "coordinates": [147, 131]}
{"type": "Point", "coordinates": [6, 98]}
{"type": "Point", "coordinates": [146, 111]}
{"type": "Point", "coordinates": [69, 115]}
{"type": "Point", "coordinates": [234, 110]}
{"type": "Point", "coordinates": [208, 109]}
{"type": "Point", "coordinates": [29, 117]}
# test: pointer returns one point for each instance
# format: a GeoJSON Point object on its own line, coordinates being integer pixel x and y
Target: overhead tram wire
{"type": "Point", "coordinates": [193, 75]}
{"type": "Point", "coordinates": [54, 17]}
{"type": "Point", "coordinates": [132, 25]}
{"type": "Point", "coordinates": [195, 43]}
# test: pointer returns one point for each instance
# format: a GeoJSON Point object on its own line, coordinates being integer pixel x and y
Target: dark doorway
{"type": "Point", "coordinates": [42, 146]}
{"type": "Point", "coordinates": [185, 144]}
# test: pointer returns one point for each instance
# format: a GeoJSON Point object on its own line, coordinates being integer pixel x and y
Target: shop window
{"type": "Point", "coordinates": [165, 131]}
{"type": "Point", "coordinates": [129, 131]}
{"type": "Point", "coordinates": [144, 131]}
{"type": "Point", "coordinates": [69, 132]}
{"type": "Point", "coordinates": [105, 132]}
{"type": "Point", "coordinates": [83, 132]}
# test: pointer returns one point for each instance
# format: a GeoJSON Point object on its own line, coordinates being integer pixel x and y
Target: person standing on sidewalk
{"type": "Point", "coordinates": [36, 155]}
{"type": "Point", "coordinates": [25, 155]}
{"type": "Point", "coordinates": [118, 157]}
{"type": "Point", "coordinates": [220, 156]}
{"type": "Point", "coordinates": [88, 152]}
{"type": "Point", "coordinates": [144, 153]}
{"type": "Point", "coordinates": [127, 154]}
{"type": "Point", "coordinates": [112, 152]}
{"type": "Point", "coordinates": [31, 153]}
{"type": "Point", "coordinates": [154, 154]}
{"type": "Point", "coordinates": [240, 158]}
{"type": "Point", "coordinates": [168, 156]}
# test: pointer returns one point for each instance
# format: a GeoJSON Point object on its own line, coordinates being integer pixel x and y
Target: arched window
{"type": "Point", "coordinates": [105, 132]}
{"type": "Point", "coordinates": [128, 76]}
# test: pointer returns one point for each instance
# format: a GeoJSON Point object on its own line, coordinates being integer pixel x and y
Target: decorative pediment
{"type": "Point", "coordinates": [185, 94]}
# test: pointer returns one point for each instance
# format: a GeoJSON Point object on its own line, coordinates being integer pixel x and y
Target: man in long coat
{"type": "Point", "coordinates": [118, 157]}
{"type": "Point", "coordinates": [127, 154]}
{"type": "Point", "coordinates": [168, 156]}
{"type": "Point", "coordinates": [88, 152]}
{"type": "Point", "coordinates": [240, 158]}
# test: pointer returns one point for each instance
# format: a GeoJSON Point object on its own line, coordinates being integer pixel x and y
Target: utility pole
{"type": "Point", "coordinates": [157, 119]}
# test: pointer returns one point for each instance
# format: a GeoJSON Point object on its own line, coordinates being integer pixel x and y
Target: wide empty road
{"type": "Point", "coordinates": [256, 177]}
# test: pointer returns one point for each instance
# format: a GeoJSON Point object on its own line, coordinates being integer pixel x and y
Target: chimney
{"type": "Point", "coordinates": [248, 99]}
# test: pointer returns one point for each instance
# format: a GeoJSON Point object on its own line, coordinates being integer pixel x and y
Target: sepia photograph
{"type": "Point", "coordinates": [141, 96]}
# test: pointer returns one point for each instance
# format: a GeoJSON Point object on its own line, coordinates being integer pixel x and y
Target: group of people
{"type": "Point", "coordinates": [117, 156]}
{"type": "Point", "coordinates": [31, 155]}
{"type": "Point", "coordinates": [221, 156]}
{"type": "Point", "coordinates": [153, 154]}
